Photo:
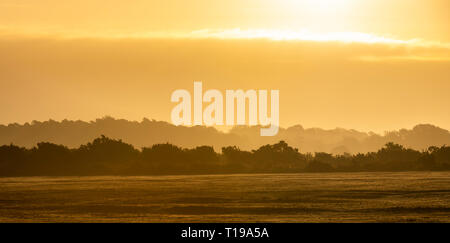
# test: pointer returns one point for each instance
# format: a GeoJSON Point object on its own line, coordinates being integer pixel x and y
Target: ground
{"type": "Point", "coordinates": [309, 197]}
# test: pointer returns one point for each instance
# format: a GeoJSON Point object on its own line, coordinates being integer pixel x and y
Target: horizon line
{"type": "Point", "coordinates": [226, 131]}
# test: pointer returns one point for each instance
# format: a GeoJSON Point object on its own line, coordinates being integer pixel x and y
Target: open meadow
{"type": "Point", "coordinates": [305, 197]}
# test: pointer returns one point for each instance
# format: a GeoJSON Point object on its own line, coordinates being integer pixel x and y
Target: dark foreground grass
{"type": "Point", "coordinates": [312, 197]}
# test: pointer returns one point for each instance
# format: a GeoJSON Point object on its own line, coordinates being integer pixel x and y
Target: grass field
{"type": "Point", "coordinates": [321, 197]}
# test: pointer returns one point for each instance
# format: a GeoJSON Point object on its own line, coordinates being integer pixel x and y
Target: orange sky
{"type": "Point", "coordinates": [368, 65]}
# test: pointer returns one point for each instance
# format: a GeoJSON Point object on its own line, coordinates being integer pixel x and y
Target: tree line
{"type": "Point", "coordinates": [106, 156]}
{"type": "Point", "coordinates": [147, 132]}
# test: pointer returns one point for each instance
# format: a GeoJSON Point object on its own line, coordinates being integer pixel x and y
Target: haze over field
{"type": "Point", "coordinates": [149, 132]}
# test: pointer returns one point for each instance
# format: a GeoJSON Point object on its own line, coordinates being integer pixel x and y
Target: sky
{"type": "Point", "coordinates": [371, 65]}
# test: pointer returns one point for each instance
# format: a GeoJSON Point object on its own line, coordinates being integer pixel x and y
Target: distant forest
{"type": "Point", "coordinates": [106, 156]}
{"type": "Point", "coordinates": [149, 132]}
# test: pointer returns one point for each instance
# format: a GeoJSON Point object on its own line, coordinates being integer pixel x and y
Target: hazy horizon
{"type": "Point", "coordinates": [221, 129]}
{"type": "Point", "coordinates": [145, 133]}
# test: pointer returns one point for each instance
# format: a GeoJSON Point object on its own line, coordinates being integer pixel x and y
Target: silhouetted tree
{"type": "Point", "coordinates": [106, 156]}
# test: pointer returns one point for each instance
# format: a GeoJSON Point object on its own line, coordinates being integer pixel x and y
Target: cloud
{"type": "Point", "coordinates": [52, 76]}
{"type": "Point", "coordinates": [238, 33]}
{"type": "Point", "coordinates": [370, 47]}
{"type": "Point", "coordinates": [404, 58]}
